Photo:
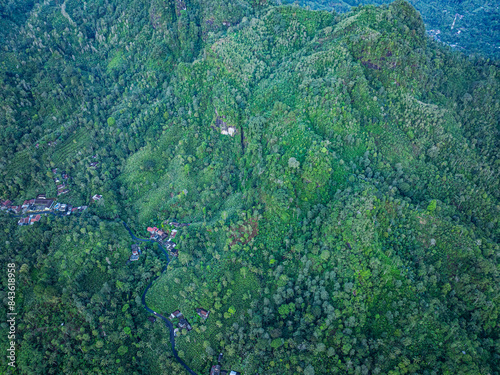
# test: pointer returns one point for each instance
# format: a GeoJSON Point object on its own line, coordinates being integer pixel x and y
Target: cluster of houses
{"type": "Point", "coordinates": [29, 220]}
{"type": "Point", "coordinates": [164, 239]}
{"type": "Point", "coordinates": [217, 369]}
{"type": "Point", "coordinates": [38, 206]}
{"type": "Point", "coordinates": [183, 322]}
{"type": "Point", "coordinates": [60, 182]}
{"type": "Point", "coordinates": [40, 203]}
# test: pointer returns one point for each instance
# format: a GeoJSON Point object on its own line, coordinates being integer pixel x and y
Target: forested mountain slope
{"type": "Point", "coordinates": [469, 26]}
{"type": "Point", "coordinates": [340, 173]}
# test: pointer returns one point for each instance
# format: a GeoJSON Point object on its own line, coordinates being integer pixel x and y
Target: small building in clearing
{"type": "Point", "coordinates": [135, 253]}
{"type": "Point", "coordinates": [183, 323]}
{"type": "Point", "coordinates": [203, 313]}
{"type": "Point", "coordinates": [176, 314]}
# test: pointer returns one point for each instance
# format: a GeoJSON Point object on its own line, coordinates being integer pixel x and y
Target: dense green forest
{"type": "Point", "coordinates": [470, 26]}
{"type": "Point", "coordinates": [340, 173]}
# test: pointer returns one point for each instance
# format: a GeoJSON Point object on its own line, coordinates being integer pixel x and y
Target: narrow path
{"type": "Point", "coordinates": [143, 299]}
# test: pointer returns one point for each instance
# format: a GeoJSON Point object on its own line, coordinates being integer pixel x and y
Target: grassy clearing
{"type": "Point", "coordinates": [19, 162]}
{"type": "Point", "coordinates": [76, 142]}
{"type": "Point", "coordinates": [115, 61]}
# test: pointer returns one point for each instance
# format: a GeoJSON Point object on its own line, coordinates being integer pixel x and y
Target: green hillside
{"type": "Point", "coordinates": [339, 172]}
{"type": "Point", "coordinates": [469, 26]}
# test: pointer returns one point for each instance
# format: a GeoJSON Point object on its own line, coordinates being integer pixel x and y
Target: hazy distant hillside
{"type": "Point", "coordinates": [470, 26]}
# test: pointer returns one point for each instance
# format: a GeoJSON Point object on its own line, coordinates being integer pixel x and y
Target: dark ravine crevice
{"type": "Point", "coordinates": [242, 141]}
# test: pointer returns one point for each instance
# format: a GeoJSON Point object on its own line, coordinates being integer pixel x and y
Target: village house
{"type": "Point", "coordinates": [41, 204]}
{"type": "Point", "coordinates": [35, 219]}
{"type": "Point", "coordinates": [5, 204]}
{"type": "Point", "coordinates": [154, 232]}
{"type": "Point", "coordinates": [135, 253]}
{"type": "Point", "coordinates": [96, 197]}
{"type": "Point", "coordinates": [162, 234]}
{"type": "Point", "coordinates": [152, 319]}
{"type": "Point", "coordinates": [217, 368]}
{"type": "Point", "coordinates": [23, 221]}
{"type": "Point", "coordinates": [183, 323]}
{"type": "Point", "coordinates": [27, 203]}
{"type": "Point", "coordinates": [170, 246]}
{"type": "Point", "coordinates": [94, 164]}
{"type": "Point", "coordinates": [63, 191]}
{"type": "Point", "coordinates": [176, 314]}
{"type": "Point", "coordinates": [229, 372]}
{"type": "Point", "coordinates": [15, 209]}
{"type": "Point", "coordinates": [174, 232]}
{"type": "Point", "coordinates": [203, 313]}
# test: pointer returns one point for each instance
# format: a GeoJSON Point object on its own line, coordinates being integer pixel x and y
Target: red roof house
{"type": "Point", "coordinates": [35, 219]}
{"type": "Point", "coordinates": [23, 221]}
{"type": "Point", "coordinates": [176, 314]}
{"type": "Point", "coordinates": [203, 313]}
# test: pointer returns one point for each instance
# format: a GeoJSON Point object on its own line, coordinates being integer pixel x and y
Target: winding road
{"type": "Point", "coordinates": [143, 299]}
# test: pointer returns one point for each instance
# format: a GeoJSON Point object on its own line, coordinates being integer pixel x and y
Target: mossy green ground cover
{"type": "Point", "coordinates": [349, 225]}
